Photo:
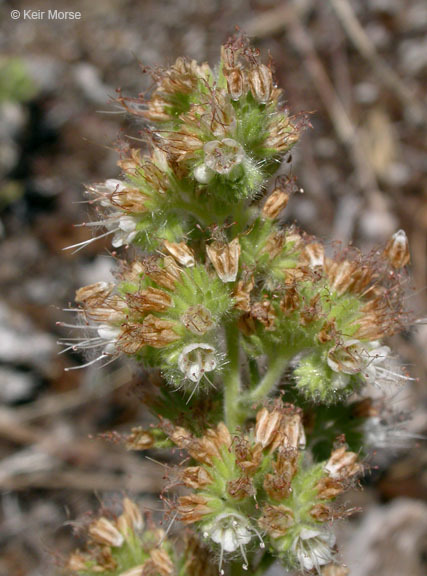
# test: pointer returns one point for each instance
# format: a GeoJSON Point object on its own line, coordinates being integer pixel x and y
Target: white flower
{"type": "Point", "coordinates": [109, 334]}
{"type": "Point", "coordinates": [222, 156]}
{"type": "Point", "coordinates": [197, 359]}
{"type": "Point", "coordinates": [353, 357]}
{"type": "Point", "coordinates": [230, 531]}
{"type": "Point", "coordinates": [374, 360]}
{"type": "Point", "coordinates": [313, 548]}
{"type": "Point", "coordinates": [203, 174]}
{"type": "Point", "coordinates": [345, 358]}
{"type": "Point", "coordinates": [126, 231]}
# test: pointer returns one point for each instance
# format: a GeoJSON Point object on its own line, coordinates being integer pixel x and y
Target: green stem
{"type": "Point", "coordinates": [264, 564]}
{"type": "Point", "coordinates": [232, 377]}
{"type": "Point", "coordinates": [269, 381]}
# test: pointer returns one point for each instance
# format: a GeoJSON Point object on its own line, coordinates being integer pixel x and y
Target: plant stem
{"type": "Point", "coordinates": [232, 377]}
{"type": "Point", "coordinates": [269, 381]}
{"type": "Point", "coordinates": [266, 561]}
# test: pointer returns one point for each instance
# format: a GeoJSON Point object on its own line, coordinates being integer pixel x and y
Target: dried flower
{"type": "Point", "coordinates": [139, 439]}
{"type": "Point", "coordinates": [261, 83]}
{"type": "Point", "coordinates": [182, 253]}
{"type": "Point", "coordinates": [397, 250]}
{"type": "Point", "coordinates": [276, 520]}
{"type": "Point", "coordinates": [197, 319]}
{"type": "Point", "coordinates": [225, 259]}
{"type": "Point", "coordinates": [275, 203]}
{"type": "Point", "coordinates": [343, 464]}
{"type": "Point", "coordinates": [104, 532]}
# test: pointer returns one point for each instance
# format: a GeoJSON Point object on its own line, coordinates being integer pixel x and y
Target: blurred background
{"type": "Point", "coordinates": [359, 67]}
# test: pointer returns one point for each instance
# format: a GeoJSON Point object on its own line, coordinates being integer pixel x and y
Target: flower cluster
{"type": "Point", "coordinates": [216, 138]}
{"type": "Point", "coordinates": [121, 546]}
{"type": "Point", "coordinates": [162, 311]}
{"type": "Point", "coordinates": [260, 487]}
{"type": "Point", "coordinates": [328, 314]}
{"type": "Point", "coordinates": [222, 298]}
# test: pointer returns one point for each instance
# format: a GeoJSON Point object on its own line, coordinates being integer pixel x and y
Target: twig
{"type": "Point", "coordinates": [385, 73]}
{"type": "Point", "coordinates": [56, 403]}
{"type": "Point", "coordinates": [341, 122]}
{"type": "Point", "coordinates": [85, 481]}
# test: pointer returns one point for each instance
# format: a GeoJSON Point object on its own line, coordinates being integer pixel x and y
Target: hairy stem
{"type": "Point", "coordinates": [269, 381]}
{"type": "Point", "coordinates": [232, 377]}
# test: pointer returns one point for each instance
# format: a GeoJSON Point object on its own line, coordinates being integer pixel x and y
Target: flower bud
{"type": "Point", "coordinates": [261, 83]}
{"type": "Point", "coordinates": [275, 203]}
{"type": "Point", "coordinates": [397, 250]}
{"type": "Point", "coordinates": [203, 174]}
{"type": "Point", "coordinates": [225, 259]}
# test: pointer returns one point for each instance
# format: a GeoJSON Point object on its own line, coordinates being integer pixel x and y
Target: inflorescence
{"type": "Point", "coordinates": [231, 307]}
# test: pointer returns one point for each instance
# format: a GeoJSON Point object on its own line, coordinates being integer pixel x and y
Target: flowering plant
{"type": "Point", "coordinates": [268, 342]}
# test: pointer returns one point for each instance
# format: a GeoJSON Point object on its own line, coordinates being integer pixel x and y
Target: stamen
{"type": "Point", "coordinates": [81, 245]}
{"type": "Point", "coordinates": [87, 363]}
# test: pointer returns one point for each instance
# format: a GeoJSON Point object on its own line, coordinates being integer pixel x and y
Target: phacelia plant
{"type": "Point", "coordinates": [268, 342]}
